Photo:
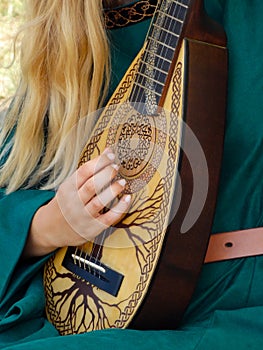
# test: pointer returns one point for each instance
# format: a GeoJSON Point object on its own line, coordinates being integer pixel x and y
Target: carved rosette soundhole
{"type": "Point", "coordinates": [134, 142]}
{"type": "Point", "coordinates": [139, 142]}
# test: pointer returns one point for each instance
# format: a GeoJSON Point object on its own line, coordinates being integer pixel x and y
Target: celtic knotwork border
{"type": "Point", "coordinates": [124, 16]}
{"type": "Point", "coordinates": [170, 174]}
{"type": "Point", "coordinates": [53, 314]}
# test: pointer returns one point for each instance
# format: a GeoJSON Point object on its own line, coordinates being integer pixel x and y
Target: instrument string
{"type": "Point", "coordinates": [166, 14]}
{"type": "Point", "coordinates": [96, 250]}
{"type": "Point", "coordinates": [173, 19]}
{"type": "Point", "coordinates": [169, 14]}
{"type": "Point", "coordinates": [139, 96]}
{"type": "Point", "coordinates": [136, 95]}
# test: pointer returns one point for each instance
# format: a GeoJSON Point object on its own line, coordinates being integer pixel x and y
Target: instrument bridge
{"type": "Point", "coordinates": [92, 270]}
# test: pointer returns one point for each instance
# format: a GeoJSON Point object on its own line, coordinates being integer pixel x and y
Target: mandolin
{"type": "Point", "coordinates": [165, 122]}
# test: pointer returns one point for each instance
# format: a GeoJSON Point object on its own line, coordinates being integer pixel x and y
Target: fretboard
{"type": "Point", "coordinates": [156, 60]}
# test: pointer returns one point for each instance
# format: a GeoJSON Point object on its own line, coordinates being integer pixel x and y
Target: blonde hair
{"type": "Point", "coordinates": [64, 78]}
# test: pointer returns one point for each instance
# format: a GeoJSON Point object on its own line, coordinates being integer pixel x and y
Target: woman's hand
{"type": "Point", "coordinates": [74, 215]}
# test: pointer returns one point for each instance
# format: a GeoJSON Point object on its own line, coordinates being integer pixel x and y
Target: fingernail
{"type": "Point", "coordinates": [107, 149]}
{"type": "Point", "coordinates": [115, 166]}
{"type": "Point", "coordinates": [122, 182]}
{"type": "Point", "coordinates": [127, 198]}
{"type": "Point", "coordinates": [110, 155]}
{"type": "Point", "coordinates": [108, 152]}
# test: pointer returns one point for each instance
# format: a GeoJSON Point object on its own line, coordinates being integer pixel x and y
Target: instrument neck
{"type": "Point", "coordinates": [161, 45]}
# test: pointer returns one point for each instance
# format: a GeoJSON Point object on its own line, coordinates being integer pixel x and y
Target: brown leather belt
{"type": "Point", "coordinates": [235, 244]}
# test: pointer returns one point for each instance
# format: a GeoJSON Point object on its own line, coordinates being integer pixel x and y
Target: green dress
{"type": "Point", "coordinates": [226, 311]}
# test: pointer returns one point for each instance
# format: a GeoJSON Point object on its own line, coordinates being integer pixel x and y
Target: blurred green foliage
{"type": "Point", "coordinates": [11, 8]}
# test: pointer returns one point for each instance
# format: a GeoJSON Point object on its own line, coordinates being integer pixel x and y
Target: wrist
{"type": "Point", "coordinates": [39, 242]}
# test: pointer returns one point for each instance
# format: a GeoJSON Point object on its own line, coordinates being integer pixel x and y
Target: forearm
{"type": "Point", "coordinates": [37, 243]}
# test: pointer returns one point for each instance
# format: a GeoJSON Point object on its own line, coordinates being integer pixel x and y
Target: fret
{"type": "Point", "coordinates": [165, 30]}
{"type": "Point", "coordinates": [150, 92]}
{"type": "Point", "coordinates": [169, 36]}
{"type": "Point", "coordinates": [162, 71]}
{"type": "Point", "coordinates": [170, 16]}
{"type": "Point", "coordinates": [147, 89]}
{"type": "Point", "coordinates": [158, 54]}
{"type": "Point", "coordinates": [150, 83]}
{"type": "Point", "coordinates": [153, 75]}
{"type": "Point", "coordinates": [144, 100]}
{"type": "Point", "coordinates": [182, 3]}
{"type": "Point", "coordinates": [161, 44]}
{"type": "Point", "coordinates": [169, 25]}
{"type": "Point", "coordinates": [170, 40]}
{"type": "Point", "coordinates": [160, 50]}
{"type": "Point", "coordinates": [160, 63]}
{"type": "Point", "coordinates": [173, 26]}
{"type": "Point", "coordinates": [175, 11]}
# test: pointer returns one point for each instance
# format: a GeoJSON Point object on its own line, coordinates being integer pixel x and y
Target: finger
{"type": "Point", "coordinates": [97, 225]}
{"type": "Point", "coordinates": [117, 212]}
{"type": "Point", "coordinates": [97, 183]}
{"type": "Point", "coordinates": [103, 199]}
{"type": "Point", "coordinates": [88, 169]}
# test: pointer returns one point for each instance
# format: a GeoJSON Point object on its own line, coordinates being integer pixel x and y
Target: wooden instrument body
{"type": "Point", "coordinates": [158, 265]}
